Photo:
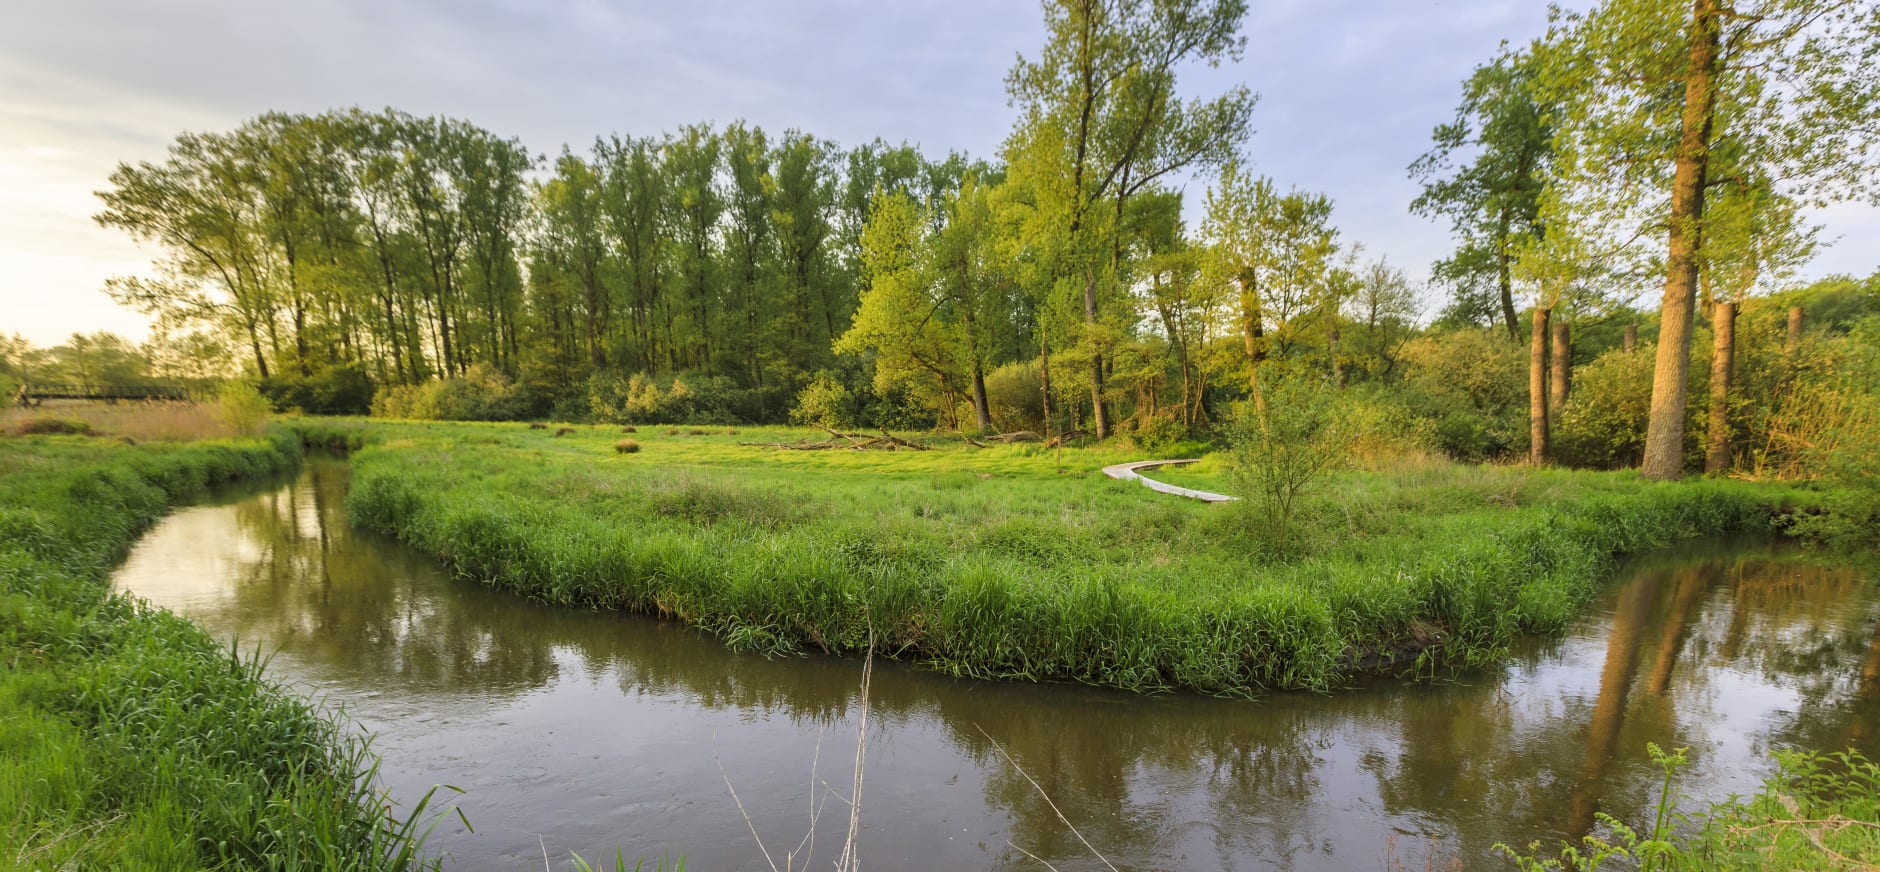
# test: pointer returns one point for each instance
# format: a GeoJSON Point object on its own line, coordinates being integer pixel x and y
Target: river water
{"type": "Point", "coordinates": [587, 732]}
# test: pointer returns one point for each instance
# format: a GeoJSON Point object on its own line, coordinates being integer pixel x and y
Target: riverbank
{"type": "Point", "coordinates": [993, 563]}
{"type": "Point", "coordinates": [132, 739]}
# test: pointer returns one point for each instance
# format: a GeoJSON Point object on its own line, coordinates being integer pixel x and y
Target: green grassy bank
{"type": "Point", "coordinates": [130, 740]}
{"type": "Point", "coordinates": [1020, 562]}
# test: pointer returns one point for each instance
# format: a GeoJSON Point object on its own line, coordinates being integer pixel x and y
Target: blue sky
{"type": "Point", "coordinates": [1349, 92]}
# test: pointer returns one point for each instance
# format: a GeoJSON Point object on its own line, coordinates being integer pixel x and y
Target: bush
{"type": "Point", "coordinates": [1016, 398]}
{"type": "Point", "coordinates": [825, 402]}
{"type": "Point", "coordinates": [1275, 457]}
{"type": "Point", "coordinates": [1603, 423]}
{"type": "Point", "coordinates": [686, 398]}
{"type": "Point", "coordinates": [1470, 386]}
{"type": "Point", "coordinates": [242, 408]}
{"type": "Point", "coordinates": [483, 393]}
{"type": "Point", "coordinates": [336, 389]}
{"type": "Point", "coordinates": [626, 446]}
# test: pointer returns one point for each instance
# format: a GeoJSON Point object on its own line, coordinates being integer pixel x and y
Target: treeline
{"type": "Point", "coordinates": [736, 274]}
{"type": "Point", "coordinates": [427, 267]}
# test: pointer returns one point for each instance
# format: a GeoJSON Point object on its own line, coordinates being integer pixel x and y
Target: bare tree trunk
{"type": "Point", "coordinates": [1631, 338]}
{"type": "Point", "coordinates": [1252, 332]}
{"type": "Point", "coordinates": [1560, 369]}
{"type": "Point", "coordinates": [1722, 361]}
{"type": "Point", "coordinates": [1338, 370]}
{"type": "Point", "coordinates": [1664, 436]}
{"type": "Point", "coordinates": [1044, 377]}
{"type": "Point", "coordinates": [1101, 415]}
{"type": "Point", "coordinates": [981, 410]}
{"type": "Point", "coordinates": [1794, 343]}
{"type": "Point", "coordinates": [1537, 388]}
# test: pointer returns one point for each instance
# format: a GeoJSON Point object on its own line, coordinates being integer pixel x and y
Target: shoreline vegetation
{"type": "Point", "coordinates": [114, 761]}
{"type": "Point", "coordinates": [991, 563]}
{"type": "Point", "coordinates": [132, 740]}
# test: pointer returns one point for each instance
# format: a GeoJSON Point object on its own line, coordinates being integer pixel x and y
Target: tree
{"type": "Point", "coordinates": [1493, 202]}
{"type": "Point", "coordinates": [1649, 92]}
{"type": "Point", "coordinates": [900, 322]}
{"type": "Point", "coordinates": [1099, 107]}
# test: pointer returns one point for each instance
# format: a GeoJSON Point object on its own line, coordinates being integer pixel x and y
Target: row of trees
{"type": "Point", "coordinates": [731, 273]}
{"type": "Point", "coordinates": [415, 250]}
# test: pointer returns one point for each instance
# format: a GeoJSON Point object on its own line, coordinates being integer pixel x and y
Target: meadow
{"type": "Point", "coordinates": [131, 740]}
{"type": "Point", "coordinates": [1021, 561]}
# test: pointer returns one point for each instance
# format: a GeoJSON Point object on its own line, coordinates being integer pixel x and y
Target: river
{"type": "Point", "coordinates": [579, 731]}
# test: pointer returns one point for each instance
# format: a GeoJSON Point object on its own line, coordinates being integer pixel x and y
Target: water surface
{"type": "Point", "coordinates": [583, 731]}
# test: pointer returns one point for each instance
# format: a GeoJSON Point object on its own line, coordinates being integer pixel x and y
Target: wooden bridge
{"type": "Point", "coordinates": [32, 394]}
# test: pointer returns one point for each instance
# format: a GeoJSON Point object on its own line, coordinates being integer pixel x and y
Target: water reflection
{"type": "Point", "coordinates": [578, 730]}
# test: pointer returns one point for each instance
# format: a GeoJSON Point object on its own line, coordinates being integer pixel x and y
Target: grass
{"type": "Point", "coordinates": [128, 738]}
{"type": "Point", "coordinates": [1019, 562]}
{"type": "Point", "coordinates": [141, 422]}
{"type": "Point", "coordinates": [1819, 811]}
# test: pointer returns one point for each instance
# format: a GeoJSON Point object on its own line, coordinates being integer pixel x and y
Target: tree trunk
{"type": "Point", "coordinates": [1338, 370]}
{"type": "Point", "coordinates": [1664, 436]}
{"type": "Point", "coordinates": [1794, 343]}
{"type": "Point", "coordinates": [1504, 281]}
{"type": "Point", "coordinates": [1537, 388]}
{"type": "Point", "coordinates": [1044, 377]}
{"type": "Point", "coordinates": [1631, 338]}
{"type": "Point", "coordinates": [1100, 414]}
{"type": "Point", "coordinates": [981, 409]}
{"type": "Point", "coordinates": [1252, 332]}
{"type": "Point", "coordinates": [1722, 361]}
{"type": "Point", "coordinates": [1560, 369]}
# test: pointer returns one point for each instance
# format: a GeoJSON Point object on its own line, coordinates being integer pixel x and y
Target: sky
{"type": "Point", "coordinates": [1349, 92]}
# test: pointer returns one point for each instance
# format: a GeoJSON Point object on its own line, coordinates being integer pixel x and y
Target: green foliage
{"type": "Point", "coordinates": [482, 393]}
{"type": "Point", "coordinates": [242, 408]}
{"type": "Point", "coordinates": [113, 760]}
{"type": "Point", "coordinates": [990, 563]}
{"type": "Point", "coordinates": [334, 389]}
{"type": "Point", "coordinates": [825, 402]}
{"type": "Point", "coordinates": [686, 398]}
{"type": "Point", "coordinates": [1015, 394]}
{"type": "Point", "coordinates": [1603, 426]}
{"type": "Point", "coordinates": [1277, 455]}
{"type": "Point", "coordinates": [1471, 386]}
{"type": "Point", "coordinates": [1818, 811]}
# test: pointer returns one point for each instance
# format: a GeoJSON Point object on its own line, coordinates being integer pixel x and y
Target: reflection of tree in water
{"type": "Point", "coordinates": [1143, 779]}
{"type": "Point", "coordinates": [319, 594]}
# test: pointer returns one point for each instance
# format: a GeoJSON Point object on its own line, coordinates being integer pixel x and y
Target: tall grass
{"type": "Point", "coordinates": [133, 740]}
{"type": "Point", "coordinates": [987, 563]}
{"type": "Point", "coordinates": [142, 422]}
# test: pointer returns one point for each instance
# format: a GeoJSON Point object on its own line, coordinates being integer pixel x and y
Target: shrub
{"type": "Point", "coordinates": [1274, 457]}
{"type": "Point", "coordinates": [1471, 386]}
{"type": "Point", "coordinates": [483, 393]}
{"type": "Point", "coordinates": [242, 408]}
{"type": "Point", "coordinates": [825, 402]}
{"type": "Point", "coordinates": [687, 398]}
{"type": "Point", "coordinates": [51, 426]}
{"type": "Point", "coordinates": [335, 389]}
{"type": "Point", "coordinates": [626, 446]}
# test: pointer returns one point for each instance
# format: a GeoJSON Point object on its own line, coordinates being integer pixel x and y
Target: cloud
{"type": "Point", "coordinates": [1350, 90]}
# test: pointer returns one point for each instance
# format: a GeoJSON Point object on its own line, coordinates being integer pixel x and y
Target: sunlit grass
{"type": "Point", "coordinates": [132, 740]}
{"type": "Point", "coordinates": [1021, 561]}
